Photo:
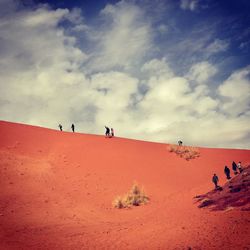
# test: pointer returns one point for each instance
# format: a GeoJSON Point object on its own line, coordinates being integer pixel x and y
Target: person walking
{"type": "Point", "coordinates": [60, 127]}
{"type": "Point", "coordinates": [107, 133]}
{"type": "Point", "coordinates": [227, 172]}
{"type": "Point", "coordinates": [73, 127]}
{"type": "Point", "coordinates": [112, 132]}
{"type": "Point", "coordinates": [215, 180]}
{"type": "Point", "coordinates": [239, 166]}
{"type": "Point", "coordinates": [180, 143]}
{"type": "Point", "coordinates": [234, 167]}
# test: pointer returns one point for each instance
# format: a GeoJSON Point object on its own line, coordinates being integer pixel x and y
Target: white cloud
{"type": "Point", "coordinates": [124, 41]}
{"type": "Point", "coordinates": [198, 45]}
{"type": "Point", "coordinates": [157, 68]}
{"type": "Point", "coordinates": [40, 68]}
{"type": "Point", "coordinates": [43, 18]}
{"type": "Point", "coordinates": [189, 4]}
{"type": "Point", "coordinates": [216, 46]}
{"type": "Point", "coordinates": [171, 102]}
{"type": "Point", "coordinates": [111, 94]}
{"type": "Point", "coordinates": [202, 72]}
{"type": "Point", "coordinates": [173, 110]}
{"type": "Point", "coordinates": [237, 91]}
{"type": "Point", "coordinates": [162, 28]}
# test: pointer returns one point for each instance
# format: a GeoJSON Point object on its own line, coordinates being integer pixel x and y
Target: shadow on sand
{"type": "Point", "coordinates": [235, 193]}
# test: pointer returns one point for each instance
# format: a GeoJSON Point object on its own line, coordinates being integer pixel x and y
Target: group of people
{"type": "Point", "coordinates": [237, 168]}
{"type": "Point", "coordinates": [72, 127]}
{"type": "Point", "coordinates": [109, 132]}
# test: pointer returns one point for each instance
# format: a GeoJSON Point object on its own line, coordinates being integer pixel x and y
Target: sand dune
{"type": "Point", "coordinates": [57, 190]}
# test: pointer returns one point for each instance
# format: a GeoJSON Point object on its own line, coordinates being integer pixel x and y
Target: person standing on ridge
{"type": "Point", "coordinates": [60, 127]}
{"type": "Point", "coordinates": [112, 132]}
{"type": "Point", "coordinates": [234, 167]}
{"type": "Point", "coordinates": [215, 180]}
{"type": "Point", "coordinates": [239, 166]}
{"type": "Point", "coordinates": [73, 127]}
{"type": "Point", "coordinates": [227, 172]}
{"type": "Point", "coordinates": [107, 133]}
{"type": "Point", "coordinates": [180, 143]}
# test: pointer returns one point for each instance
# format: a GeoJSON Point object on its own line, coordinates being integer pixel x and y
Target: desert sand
{"type": "Point", "coordinates": [57, 190]}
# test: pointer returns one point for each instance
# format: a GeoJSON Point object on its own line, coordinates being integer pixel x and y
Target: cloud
{"type": "Point", "coordinates": [124, 40]}
{"type": "Point", "coordinates": [40, 67]}
{"type": "Point", "coordinates": [189, 4]}
{"type": "Point", "coordinates": [244, 46]}
{"type": "Point", "coordinates": [162, 28]}
{"type": "Point", "coordinates": [111, 95]}
{"type": "Point", "coordinates": [157, 67]}
{"type": "Point", "coordinates": [171, 103]}
{"type": "Point", "coordinates": [200, 44]}
{"type": "Point", "coordinates": [173, 111]}
{"type": "Point", "coordinates": [216, 46]}
{"type": "Point", "coordinates": [43, 18]}
{"type": "Point", "coordinates": [236, 90]}
{"type": "Point", "coordinates": [202, 72]}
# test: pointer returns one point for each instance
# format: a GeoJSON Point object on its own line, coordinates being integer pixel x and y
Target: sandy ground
{"type": "Point", "coordinates": [57, 188]}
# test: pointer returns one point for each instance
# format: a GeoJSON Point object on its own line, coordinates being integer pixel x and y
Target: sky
{"type": "Point", "coordinates": [154, 70]}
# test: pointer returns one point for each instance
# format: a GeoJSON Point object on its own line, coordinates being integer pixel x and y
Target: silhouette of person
{"type": "Point", "coordinates": [112, 132]}
{"type": "Point", "coordinates": [239, 166]}
{"type": "Point", "coordinates": [180, 143]}
{"type": "Point", "coordinates": [215, 180]}
{"type": "Point", "coordinates": [234, 167]}
{"type": "Point", "coordinates": [60, 127]}
{"type": "Point", "coordinates": [73, 127]}
{"type": "Point", "coordinates": [227, 172]}
{"type": "Point", "coordinates": [107, 133]}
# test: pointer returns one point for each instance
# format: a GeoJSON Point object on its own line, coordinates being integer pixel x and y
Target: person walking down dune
{"type": "Point", "coordinates": [227, 172]}
{"type": "Point", "coordinates": [73, 127]}
{"type": "Point", "coordinates": [60, 127]}
{"type": "Point", "coordinates": [107, 133]}
{"type": "Point", "coordinates": [234, 167]}
{"type": "Point", "coordinates": [180, 143]}
{"type": "Point", "coordinates": [112, 132]}
{"type": "Point", "coordinates": [215, 180]}
{"type": "Point", "coordinates": [239, 166]}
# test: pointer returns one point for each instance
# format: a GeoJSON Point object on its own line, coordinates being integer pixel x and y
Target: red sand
{"type": "Point", "coordinates": [57, 190]}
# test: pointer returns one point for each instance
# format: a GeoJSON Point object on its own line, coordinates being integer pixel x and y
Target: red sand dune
{"type": "Point", "coordinates": [57, 190]}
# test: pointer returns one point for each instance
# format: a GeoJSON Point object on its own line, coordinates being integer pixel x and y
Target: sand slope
{"type": "Point", "coordinates": [57, 190]}
{"type": "Point", "coordinates": [235, 193]}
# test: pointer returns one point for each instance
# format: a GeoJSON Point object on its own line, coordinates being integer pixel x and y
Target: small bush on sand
{"type": "Point", "coordinates": [205, 203]}
{"type": "Point", "coordinates": [185, 152]}
{"type": "Point", "coordinates": [135, 197]}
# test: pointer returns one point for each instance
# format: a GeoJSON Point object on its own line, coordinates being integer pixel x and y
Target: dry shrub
{"type": "Point", "coordinates": [186, 152]}
{"type": "Point", "coordinates": [206, 203]}
{"type": "Point", "coordinates": [135, 197]}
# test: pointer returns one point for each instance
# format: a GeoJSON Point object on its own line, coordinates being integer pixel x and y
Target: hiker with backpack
{"type": "Point", "coordinates": [107, 133]}
{"type": "Point", "coordinates": [60, 127]}
{"type": "Point", "coordinates": [73, 127]}
{"type": "Point", "coordinates": [239, 166]}
{"type": "Point", "coordinates": [215, 180]}
{"type": "Point", "coordinates": [234, 167]}
{"type": "Point", "coordinates": [227, 172]}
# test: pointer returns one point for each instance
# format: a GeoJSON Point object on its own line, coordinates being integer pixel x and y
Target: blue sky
{"type": "Point", "coordinates": [153, 70]}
